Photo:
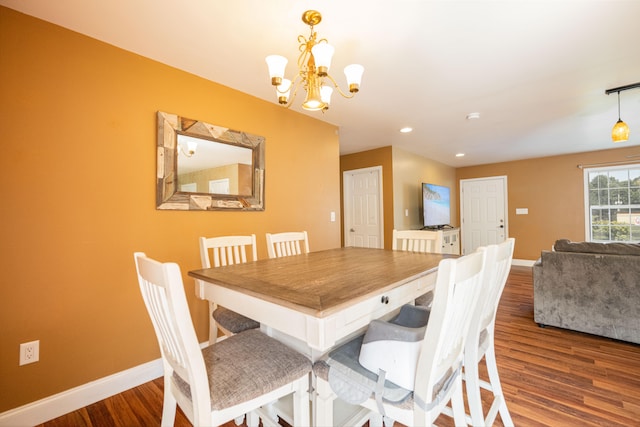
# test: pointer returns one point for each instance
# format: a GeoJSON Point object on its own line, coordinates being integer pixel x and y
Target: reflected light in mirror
{"type": "Point", "coordinates": [210, 154]}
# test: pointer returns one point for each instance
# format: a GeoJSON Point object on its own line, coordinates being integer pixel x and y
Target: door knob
{"type": "Point", "coordinates": [352, 230]}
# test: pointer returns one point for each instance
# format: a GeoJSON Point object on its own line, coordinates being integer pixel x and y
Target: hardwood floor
{"type": "Point", "coordinates": [550, 377]}
{"type": "Point", "coordinates": [555, 377]}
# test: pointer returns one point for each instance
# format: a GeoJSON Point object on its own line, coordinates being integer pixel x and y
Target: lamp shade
{"type": "Point", "coordinates": [325, 94]}
{"type": "Point", "coordinates": [283, 90]}
{"type": "Point", "coordinates": [192, 146]}
{"type": "Point", "coordinates": [620, 132]}
{"type": "Point", "coordinates": [354, 76]}
{"type": "Point", "coordinates": [322, 54]}
{"type": "Point", "coordinates": [276, 64]}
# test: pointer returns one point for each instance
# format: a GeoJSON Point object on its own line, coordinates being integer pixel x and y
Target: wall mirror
{"type": "Point", "coordinates": [207, 167]}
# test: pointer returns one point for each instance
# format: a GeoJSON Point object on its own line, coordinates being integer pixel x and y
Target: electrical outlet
{"type": "Point", "coordinates": [29, 352]}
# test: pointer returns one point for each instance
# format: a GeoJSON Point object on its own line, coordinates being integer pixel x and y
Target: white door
{"type": "Point", "coordinates": [483, 207]}
{"type": "Point", "coordinates": [363, 221]}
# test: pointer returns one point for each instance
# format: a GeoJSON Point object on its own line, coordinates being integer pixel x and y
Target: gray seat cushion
{"type": "Point", "coordinates": [351, 381]}
{"type": "Point", "coordinates": [232, 321]}
{"type": "Point", "coordinates": [247, 365]}
{"type": "Point", "coordinates": [393, 395]}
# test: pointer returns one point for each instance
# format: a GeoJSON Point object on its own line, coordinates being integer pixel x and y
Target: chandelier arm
{"type": "Point", "coordinates": [294, 81]}
{"type": "Point", "coordinates": [335, 84]}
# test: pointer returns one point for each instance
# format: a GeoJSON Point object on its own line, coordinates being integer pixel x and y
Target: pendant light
{"type": "Point", "coordinates": [620, 131]}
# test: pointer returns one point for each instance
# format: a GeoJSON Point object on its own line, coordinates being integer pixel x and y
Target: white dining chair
{"type": "Point", "coordinates": [225, 380]}
{"type": "Point", "coordinates": [227, 250]}
{"type": "Point", "coordinates": [438, 372]}
{"type": "Point", "coordinates": [480, 343]}
{"type": "Point", "coordinates": [418, 241]}
{"type": "Point", "coordinates": [287, 243]}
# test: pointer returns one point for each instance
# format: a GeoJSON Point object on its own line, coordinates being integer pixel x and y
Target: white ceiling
{"type": "Point", "coordinates": [536, 71]}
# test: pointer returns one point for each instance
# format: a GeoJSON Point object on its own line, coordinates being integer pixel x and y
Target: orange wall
{"type": "Point", "coordinates": [77, 178]}
{"type": "Point", "coordinates": [366, 159]}
{"type": "Point", "coordinates": [552, 189]}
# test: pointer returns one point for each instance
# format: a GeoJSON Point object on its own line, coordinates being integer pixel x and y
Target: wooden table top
{"type": "Point", "coordinates": [319, 283]}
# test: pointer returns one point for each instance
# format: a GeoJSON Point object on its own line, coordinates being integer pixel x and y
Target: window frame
{"type": "Point", "coordinates": [633, 208]}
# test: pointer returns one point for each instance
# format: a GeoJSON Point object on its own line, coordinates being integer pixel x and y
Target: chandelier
{"type": "Point", "coordinates": [313, 71]}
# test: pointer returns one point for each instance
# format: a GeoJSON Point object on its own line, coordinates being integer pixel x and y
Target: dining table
{"type": "Point", "coordinates": [320, 298]}
{"type": "Point", "coordinates": [314, 302]}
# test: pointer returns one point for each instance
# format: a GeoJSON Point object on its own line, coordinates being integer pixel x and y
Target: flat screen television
{"type": "Point", "coordinates": [436, 207]}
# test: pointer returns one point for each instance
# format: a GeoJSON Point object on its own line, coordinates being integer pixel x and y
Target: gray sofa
{"type": "Point", "coordinates": [589, 287]}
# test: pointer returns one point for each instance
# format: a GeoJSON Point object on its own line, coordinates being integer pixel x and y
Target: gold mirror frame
{"type": "Point", "coordinates": [167, 195]}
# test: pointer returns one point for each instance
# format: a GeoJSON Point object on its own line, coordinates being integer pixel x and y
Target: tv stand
{"type": "Point", "coordinates": [438, 227]}
{"type": "Point", "coordinates": [450, 237]}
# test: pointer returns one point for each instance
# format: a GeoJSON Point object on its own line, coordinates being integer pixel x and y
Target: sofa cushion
{"type": "Point", "coordinates": [614, 248]}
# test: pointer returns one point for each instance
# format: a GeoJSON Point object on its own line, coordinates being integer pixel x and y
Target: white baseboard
{"type": "Point", "coordinates": [51, 407]}
{"type": "Point", "coordinates": [523, 262]}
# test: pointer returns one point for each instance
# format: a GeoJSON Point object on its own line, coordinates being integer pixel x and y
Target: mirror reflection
{"type": "Point", "coordinates": [206, 166]}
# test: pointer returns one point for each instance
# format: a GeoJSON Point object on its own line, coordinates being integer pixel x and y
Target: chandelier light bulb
{"type": "Point", "coordinates": [313, 102]}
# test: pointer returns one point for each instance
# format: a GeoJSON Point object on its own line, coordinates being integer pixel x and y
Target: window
{"type": "Point", "coordinates": [613, 204]}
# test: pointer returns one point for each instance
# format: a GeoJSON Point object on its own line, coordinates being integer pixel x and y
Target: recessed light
{"type": "Point", "coordinates": [460, 155]}
{"type": "Point", "coordinates": [472, 116]}
{"type": "Point", "coordinates": [406, 130]}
